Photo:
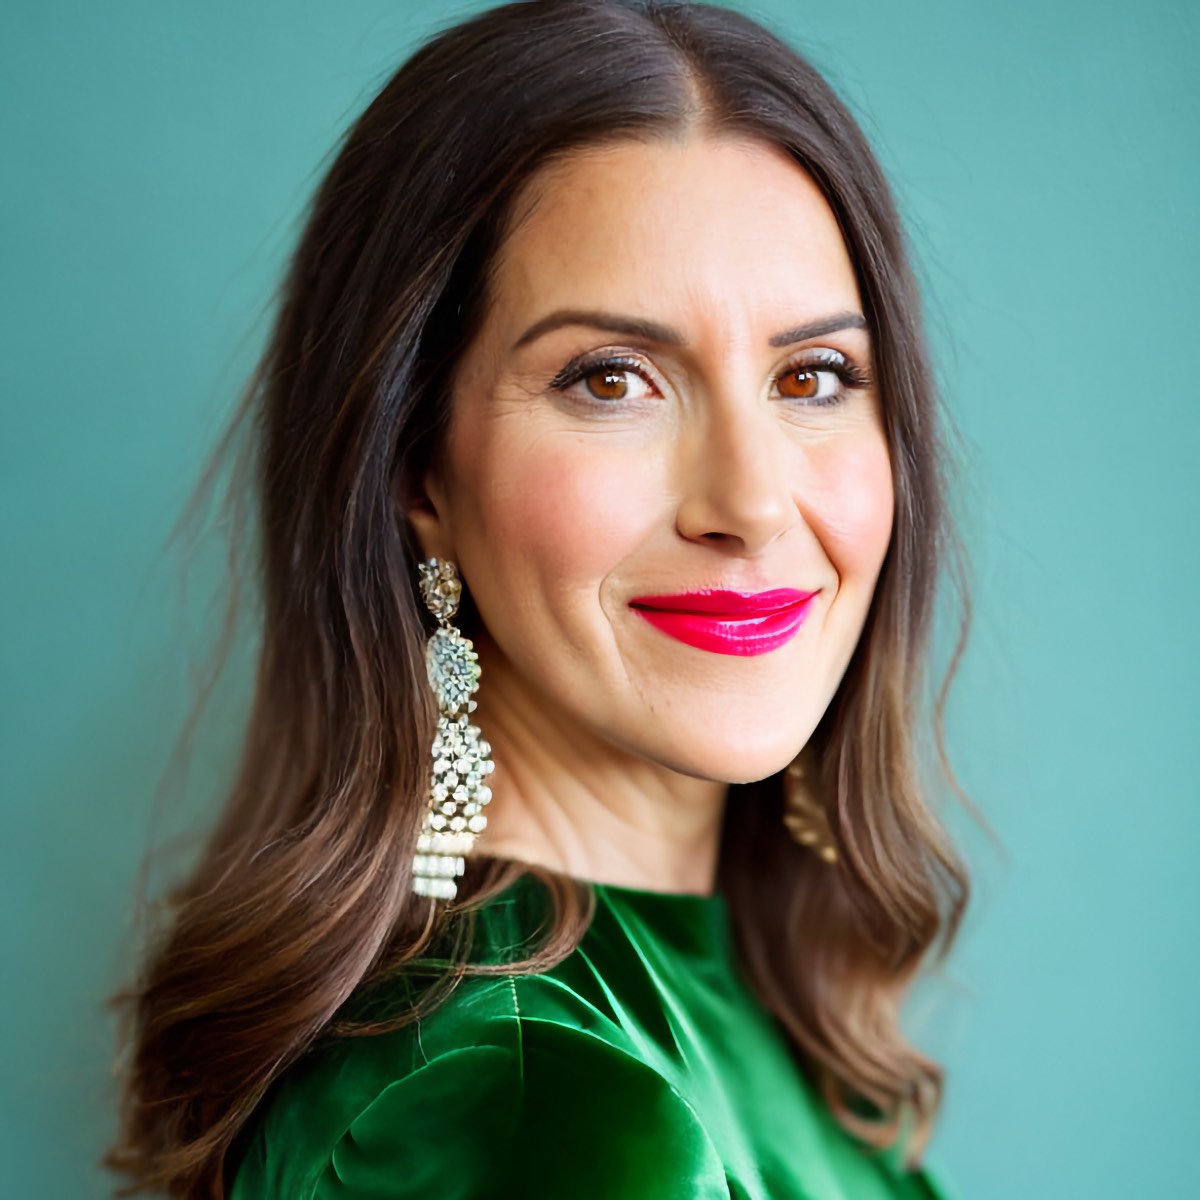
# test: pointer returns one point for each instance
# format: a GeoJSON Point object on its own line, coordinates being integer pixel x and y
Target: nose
{"type": "Point", "coordinates": [736, 469]}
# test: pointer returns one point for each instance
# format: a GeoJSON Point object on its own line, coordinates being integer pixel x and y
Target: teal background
{"type": "Point", "coordinates": [1045, 154]}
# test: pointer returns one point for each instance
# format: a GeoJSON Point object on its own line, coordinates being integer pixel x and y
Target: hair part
{"type": "Point", "coordinates": [300, 900]}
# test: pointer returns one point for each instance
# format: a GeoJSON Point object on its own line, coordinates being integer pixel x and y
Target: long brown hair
{"type": "Point", "coordinates": [300, 899]}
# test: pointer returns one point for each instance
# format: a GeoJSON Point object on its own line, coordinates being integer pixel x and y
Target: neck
{"type": "Point", "coordinates": [565, 799]}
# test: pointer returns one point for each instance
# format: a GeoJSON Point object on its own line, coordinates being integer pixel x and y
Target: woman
{"type": "Point", "coordinates": [598, 378]}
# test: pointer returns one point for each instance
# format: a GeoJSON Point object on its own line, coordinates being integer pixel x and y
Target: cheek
{"type": "Point", "coordinates": [851, 507]}
{"type": "Point", "coordinates": [551, 511]}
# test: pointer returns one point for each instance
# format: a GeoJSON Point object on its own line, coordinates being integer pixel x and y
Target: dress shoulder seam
{"type": "Point", "coordinates": [512, 987]}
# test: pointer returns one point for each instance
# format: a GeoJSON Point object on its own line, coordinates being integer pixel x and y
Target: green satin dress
{"type": "Point", "coordinates": [642, 1067]}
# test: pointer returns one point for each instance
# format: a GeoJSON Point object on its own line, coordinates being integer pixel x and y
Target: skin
{"type": "Point", "coordinates": [614, 743]}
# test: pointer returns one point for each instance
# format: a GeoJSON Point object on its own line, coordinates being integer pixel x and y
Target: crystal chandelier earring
{"type": "Point", "coordinates": [457, 792]}
{"type": "Point", "coordinates": [804, 814]}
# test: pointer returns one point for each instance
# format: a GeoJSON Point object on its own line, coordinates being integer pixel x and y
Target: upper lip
{"type": "Point", "coordinates": [719, 601]}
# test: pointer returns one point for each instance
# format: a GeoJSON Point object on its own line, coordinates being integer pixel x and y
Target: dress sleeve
{"type": "Point", "coordinates": [559, 1113]}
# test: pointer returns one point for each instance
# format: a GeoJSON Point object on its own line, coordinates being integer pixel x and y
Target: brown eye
{"type": "Point", "coordinates": [612, 386]}
{"type": "Point", "coordinates": [608, 382]}
{"type": "Point", "coordinates": [800, 385]}
{"type": "Point", "coordinates": [819, 387]}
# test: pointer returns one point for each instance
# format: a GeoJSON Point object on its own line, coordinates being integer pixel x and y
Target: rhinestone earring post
{"type": "Point", "coordinates": [803, 814]}
{"type": "Point", "coordinates": [457, 792]}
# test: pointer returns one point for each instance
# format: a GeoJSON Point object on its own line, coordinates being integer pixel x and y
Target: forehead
{"type": "Point", "coordinates": [735, 226]}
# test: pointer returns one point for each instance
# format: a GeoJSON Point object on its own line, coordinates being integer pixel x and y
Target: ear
{"type": "Point", "coordinates": [424, 507]}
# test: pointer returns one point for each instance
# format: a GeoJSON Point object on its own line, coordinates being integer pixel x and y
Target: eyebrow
{"type": "Point", "coordinates": [655, 332]}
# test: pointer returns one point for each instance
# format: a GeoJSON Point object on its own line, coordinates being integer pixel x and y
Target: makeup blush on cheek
{"type": "Point", "coordinates": [855, 508]}
{"type": "Point", "coordinates": [562, 515]}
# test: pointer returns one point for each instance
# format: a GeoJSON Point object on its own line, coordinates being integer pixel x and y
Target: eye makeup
{"type": "Point", "coordinates": [824, 361]}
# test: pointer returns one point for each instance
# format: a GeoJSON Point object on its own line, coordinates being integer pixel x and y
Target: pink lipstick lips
{"type": "Point", "coordinates": [728, 622]}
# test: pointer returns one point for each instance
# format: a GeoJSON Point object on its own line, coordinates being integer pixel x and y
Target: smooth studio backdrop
{"type": "Point", "coordinates": [155, 158]}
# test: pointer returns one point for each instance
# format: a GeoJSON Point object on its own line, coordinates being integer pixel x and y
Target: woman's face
{"type": "Point", "coordinates": [728, 448]}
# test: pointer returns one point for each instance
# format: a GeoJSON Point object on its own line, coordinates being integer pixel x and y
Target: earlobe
{"type": "Point", "coordinates": [423, 507]}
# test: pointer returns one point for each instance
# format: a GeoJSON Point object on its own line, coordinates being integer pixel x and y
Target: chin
{"type": "Point", "coordinates": [730, 760]}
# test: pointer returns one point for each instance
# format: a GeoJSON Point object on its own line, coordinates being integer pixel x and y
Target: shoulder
{"type": "Point", "coordinates": [514, 1086]}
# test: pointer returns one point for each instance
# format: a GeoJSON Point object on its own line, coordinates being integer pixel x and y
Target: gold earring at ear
{"type": "Point", "coordinates": [457, 792]}
{"type": "Point", "coordinates": [804, 814]}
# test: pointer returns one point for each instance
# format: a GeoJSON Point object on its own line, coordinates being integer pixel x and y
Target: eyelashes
{"type": "Point", "coordinates": [806, 367]}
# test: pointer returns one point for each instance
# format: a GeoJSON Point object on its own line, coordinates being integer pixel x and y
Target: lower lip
{"type": "Point", "coordinates": [727, 634]}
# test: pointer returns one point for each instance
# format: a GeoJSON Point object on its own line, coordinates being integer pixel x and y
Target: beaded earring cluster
{"type": "Point", "coordinates": [461, 763]}
{"type": "Point", "coordinates": [804, 815]}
